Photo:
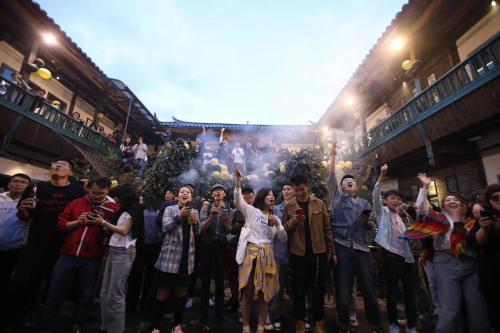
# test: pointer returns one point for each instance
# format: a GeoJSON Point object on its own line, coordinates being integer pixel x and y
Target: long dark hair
{"type": "Point", "coordinates": [490, 190]}
{"type": "Point", "coordinates": [260, 198]}
{"type": "Point", "coordinates": [129, 202]}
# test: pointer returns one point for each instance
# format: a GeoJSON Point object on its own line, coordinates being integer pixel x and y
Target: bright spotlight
{"type": "Point", "coordinates": [49, 38]}
{"type": "Point", "coordinates": [397, 43]}
{"type": "Point", "coordinates": [350, 101]}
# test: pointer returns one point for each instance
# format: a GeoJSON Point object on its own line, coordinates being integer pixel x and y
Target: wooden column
{"type": "Point", "coordinates": [72, 102]}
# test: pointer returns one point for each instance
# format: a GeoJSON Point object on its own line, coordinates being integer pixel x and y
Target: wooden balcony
{"type": "Point", "coordinates": [32, 107]}
{"type": "Point", "coordinates": [442, 109]}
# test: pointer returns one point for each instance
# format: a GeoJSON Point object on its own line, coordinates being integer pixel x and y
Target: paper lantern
{"type": "Point", "coordinates": [407, 65]}
{"type": "Point", "coordinates": [39, 62]}
{"type": "Point", "coordinates": [44, 73]}
{"type": "Point", "coordinates": [283, 167]}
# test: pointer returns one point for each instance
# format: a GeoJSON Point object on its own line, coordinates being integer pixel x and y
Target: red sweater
{"type": "Point", "coordinates": [84, 241]}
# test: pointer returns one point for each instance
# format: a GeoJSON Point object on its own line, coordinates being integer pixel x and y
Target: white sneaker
{"type": "Point", "coordinates": [353, 321]}
{"type": "Point", "coordinates": [177, 329]}
{"type": "Point", "coordinates": [394, 328]}
{"type": "Point", "coordinates": [189, 303]}
{"type": "Point", "coordinates": [411, 330]}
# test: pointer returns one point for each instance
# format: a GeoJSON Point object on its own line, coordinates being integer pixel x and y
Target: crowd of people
{"type": "Point", "coordinates": [61, 240]}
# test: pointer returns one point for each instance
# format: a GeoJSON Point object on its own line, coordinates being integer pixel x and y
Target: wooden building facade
{"type": "Point", "coordinates": [427, 98]}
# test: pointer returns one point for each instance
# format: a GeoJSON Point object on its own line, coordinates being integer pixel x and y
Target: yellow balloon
{"type": "Point", "coordinates": [214, 161]}
{"type": "Point", "coordinates": [348, 165]}
{"type": "Point", "coordinates": [223, 168]}
{"type": "Point", "coordinates": [407, 65]}
{"type": "Point", "coordinates": [216, 174]}
{"type": "Point", "coordinates": [341, 164]}
{"type": "Point", "coordinates": [44, 73]}
{"type": "Point", "coordinates": [225, 175]}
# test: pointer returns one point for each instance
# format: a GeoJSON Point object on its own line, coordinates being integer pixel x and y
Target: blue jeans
{"type": "Point", "coordinates": [355, 264]}
{"type": "Point", "coordinates": [67, 271]}
{"type": "Point", "coordinates": [457, 285]}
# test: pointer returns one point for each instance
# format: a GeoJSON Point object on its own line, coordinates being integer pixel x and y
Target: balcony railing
{"type": "Point", "coordinates": [23, 102]}
{"type": "Point", "coordinates": [478, 69]}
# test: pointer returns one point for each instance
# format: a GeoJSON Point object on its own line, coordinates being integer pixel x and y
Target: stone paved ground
{"type": "Point", "coordinates": [232, 326]}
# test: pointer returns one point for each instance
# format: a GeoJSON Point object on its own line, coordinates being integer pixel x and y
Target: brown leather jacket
{"type": "Point", "coordinates": [319, 224]}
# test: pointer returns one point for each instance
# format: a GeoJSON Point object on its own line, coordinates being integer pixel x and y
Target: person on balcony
{"type": "Point", "coordinates": [238, 157]}
{"type": "Point", "coordinates": [41, 206]}
{"type": "Point", "coordinates": [16, 96]}
{"type": "Point", "coordinates": [223, 154]}
{"type": "Point", "coordinates": [140, 150]}
{"type": "Point", "coordinates": [127, 153]}
{"type": "Point", "coordinates": [81, 252]}
{"type": "Point", "coordinates": [351, 225]}
{"type": "Point", "coordinates": [461, 304]}
{"type": "Point", "coordinates": [397, 257]}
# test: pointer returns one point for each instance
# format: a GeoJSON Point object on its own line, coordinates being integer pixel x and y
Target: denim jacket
{"type": "Point", "coordinates": [348, 229]}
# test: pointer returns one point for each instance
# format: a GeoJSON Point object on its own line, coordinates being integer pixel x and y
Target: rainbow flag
{"type": "Point", "coordinates": [434, 224]}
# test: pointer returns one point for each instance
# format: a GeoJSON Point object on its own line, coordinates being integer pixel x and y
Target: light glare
{"type": "Point", "coordinates": [49, 38]}
{"type": "Point", "coordinates": [398, 43]}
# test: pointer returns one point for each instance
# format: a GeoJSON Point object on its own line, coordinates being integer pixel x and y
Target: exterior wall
{"type": "Point", "coordinates": [467, 175]}
{"type": "Point", "coordinates": [54, 87]}
{"type": "Point", "coordinates": [483, 30]}
{"type": "Point", "coordinates": [376, 117]}
{"type": "Point", "coordinates": [491, 163]}
{"type": "Point", "coordinates": [10, 56]}
{"type": "Point", "coordinates": [11, 167]}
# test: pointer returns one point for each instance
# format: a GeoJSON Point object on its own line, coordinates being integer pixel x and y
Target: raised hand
{"type": "Point", "coordinates": [333, 150]}
{"type": "Point", "coordinates": [424, 179]}
{"type": "Point", "coordinates": [383, 169]}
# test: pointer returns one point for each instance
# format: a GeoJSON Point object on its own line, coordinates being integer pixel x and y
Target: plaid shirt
{"type": "Point", "coordinates": [171, 250]}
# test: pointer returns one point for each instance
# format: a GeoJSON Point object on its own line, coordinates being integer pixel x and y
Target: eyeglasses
{"type": "Point", "coordinates": [495, 197]}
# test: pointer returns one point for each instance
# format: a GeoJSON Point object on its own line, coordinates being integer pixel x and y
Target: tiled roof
{"type": "Point", "coordinates": [176, 123]}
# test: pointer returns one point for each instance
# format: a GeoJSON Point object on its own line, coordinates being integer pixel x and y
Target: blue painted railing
{"type": "Point", "coordinates": [478, 69]}
{"type": "Point", "coordinates": [23, 102]}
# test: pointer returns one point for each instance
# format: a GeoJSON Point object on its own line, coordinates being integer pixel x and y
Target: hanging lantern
{"type": "Point", "coordinates": [39, 62]}
{"type": "Point", "coordinates": [407, 65]}
{"type": "Point", "coordinates": [44, 73]}
{"type": "Point", "coordinates": [32, 67]}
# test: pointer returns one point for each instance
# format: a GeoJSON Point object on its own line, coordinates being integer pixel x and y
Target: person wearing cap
{"type": "Point", "coordinates": [215, 225]}
{"type": "Point", "coordinates": [351, 224]}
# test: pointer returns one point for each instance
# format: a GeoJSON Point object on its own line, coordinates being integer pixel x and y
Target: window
{"type": "Point", "coordinates": [451, 184]}
{"type": "Point", "coordinates": [6, 71]}
{"type": "Point", "coordinates": [431, 79]}
{"type": "Point", "coordinates": [51, 98]}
